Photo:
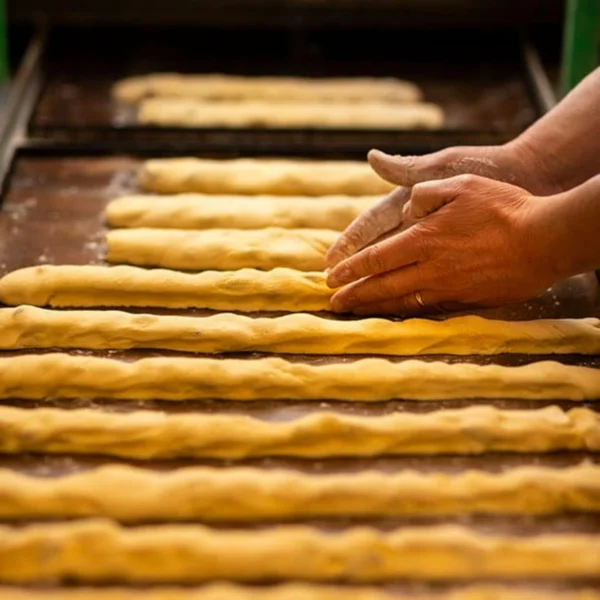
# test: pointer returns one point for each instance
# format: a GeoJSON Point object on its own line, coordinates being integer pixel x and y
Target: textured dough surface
{"type": "Point", "coordinates": [97, 551]}
{"type": "Point", "coordinates": [130, 494]}
{"type": "Point", "coordinates": [214, 86]}
{"type": "Point", "coordinates": [32, 327]}
{"type": "Point", "coordinates": [249, 176]}
{"type": "Point", "coordinates": [91, 285]}
{"type": "Point", "coordinates": [221, 249]}
{"type": "Point", "coordinates": [185, 112]}
{"type": "Point", "coordinates": [205, 211]}
{"type": "Point", "coordinates": [292, 591]}
{"type": "Point", "coordinates": [37, 376]}
{"type": "Point", "coordinates": [151, 434]}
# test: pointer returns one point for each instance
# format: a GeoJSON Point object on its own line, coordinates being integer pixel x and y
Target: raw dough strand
{"type": "Point", "coordinates": [203, 211]}
{"type": "Point", "coordinates": [153, 435]}
{"type": "Point", "coordinates": [221, 249]}
{"type": "Point", "coordinates": [37, 376]}
{"type": "Point", "coordinates": [31, 327]}
{"type": "Point", "coordinates": [101, 551]}
{"type": "Point", "coordinates": [214, 86]}
{"type": "Point", "coordinates": [185, 112]}
{"type": "Point", "coordinates": [130, 494]}
{"type": "Point", "coordinates": [249, 176]}
{"type": "Point", "coordinates": [92, 285]}
{"type": "Point", "coordinates": [293, 591]}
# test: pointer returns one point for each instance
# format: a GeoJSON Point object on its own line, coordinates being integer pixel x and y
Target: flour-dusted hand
{"type": "Point", "coordinates": [487, 244]}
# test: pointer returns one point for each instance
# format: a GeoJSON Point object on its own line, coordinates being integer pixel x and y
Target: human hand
{"type": "Point", "coordinates": [512, 163]}
{"type": "Point", "coordinates": [486, 244]}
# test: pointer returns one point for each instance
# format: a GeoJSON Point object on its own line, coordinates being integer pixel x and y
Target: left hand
{"type": "Point", "coordinates": [474, 242]}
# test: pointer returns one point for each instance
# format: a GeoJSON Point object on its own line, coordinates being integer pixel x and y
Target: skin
{"type": "Point", "coordinates": [479, 226]}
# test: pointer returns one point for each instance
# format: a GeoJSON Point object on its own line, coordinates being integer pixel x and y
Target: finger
{"type": "Point", "coordinates": [405, 306]}
{"type": "Point", "coordinates": [385, 216]}
{"type": "Point", "coordinates": [392, 253]}
{"type": "Point", "coordinates": [379, 288]}
{"type": "Point", "coordinates": [430, 196]}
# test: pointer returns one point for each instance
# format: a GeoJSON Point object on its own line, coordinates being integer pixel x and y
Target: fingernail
{"type": "Point", "coordinates": [337, 306]}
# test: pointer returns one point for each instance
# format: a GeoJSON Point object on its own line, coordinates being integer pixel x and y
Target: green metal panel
{"type": "Point", "coordinates": [3, 43]}
{"type": "Point", "coordinates": [580, 51]}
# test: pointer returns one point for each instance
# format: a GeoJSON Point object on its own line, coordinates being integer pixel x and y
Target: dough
{"type": "Point", "coordinates": [132, 494]}
{"type": "Point", "coordinates": [101, 551]}
{"type": "Point", "coordinates": [37, 376]}
{"type": "Point", "coordinates": [30, 327]}
{"type": "Point", "coordinates": [272, 89]}
{"type": "Point", "coordinates": [221, 249]}
{"type": "Point", "coordinates": [92, 285]}
{"type": "Point", "coordinates": [292, 591]}
{"type": "Point", "coordinates": [249, 176]}
{"type": "Point", "coordinates": [153, 435]}
{"type": "Point", "coordinates": [201, 211]}
{"type": "Point", "coordinates": [185, 112]}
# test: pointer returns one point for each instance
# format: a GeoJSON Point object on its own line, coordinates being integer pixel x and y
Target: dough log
{"type": "Point", "coordinates": [249, 176]}
{"type": "Point", "coordinates": [37, 376]}
{"type": "Point", "coordinates": [151, 434]}
{"type": "Point", "coordinates": [292, 591]}
{"type": "Point", "coordinates": [31, 327]}
{"type": "Point", "coordinates": [100, 551]}
{"type": "Point", "coordinates": [274, 89]}
{"type": "Point", "coordinates": [185, 112]}
{"type": "Point", "coordinates": [221, 249]}
{"type": "Point", "coordinates": [202, 211]}
{"type": "Point", "coordinates": [90, 285]}
{"type": "Point", "coordinates": [131, 494]}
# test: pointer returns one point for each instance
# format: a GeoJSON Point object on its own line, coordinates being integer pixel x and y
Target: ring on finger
{"type": "Point", "coordinates": [419, 299]}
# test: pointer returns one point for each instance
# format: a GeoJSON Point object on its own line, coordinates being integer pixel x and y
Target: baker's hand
{"type": "Point", "coordinates": [481, 247]}
{"type": "Point", "coordinates": [512, 163]}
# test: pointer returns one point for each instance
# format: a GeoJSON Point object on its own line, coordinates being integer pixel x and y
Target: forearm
{"type": "Point", "coordinates": [565, 143]}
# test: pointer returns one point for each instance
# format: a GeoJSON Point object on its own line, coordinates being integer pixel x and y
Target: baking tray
{"type": "Point", "coordinates": [486, 82]}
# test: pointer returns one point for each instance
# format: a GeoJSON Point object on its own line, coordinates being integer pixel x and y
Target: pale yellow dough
{"type": "Point", "coordinates": [221, 249]}
{"type": "Point", "coordinates": [273, 89]}
{"type": "Point", "coordinates": [151, 434]}
{"type": "Point", "coordinates": [98, 551]}
{"type": "Point", "coordinates": [205, 211]}
{"type": "Point", "coordinates": [293, 591]}
{"type": "Point", "coordinates": [249, 176]}
{"type": "Point", "coordinates": [185, 112]}
{"type": "Point", "coordinates": [91, 285]}
{"type": "Point", "coordinates": [31, 327]}
{"type": "Point", "coordinates": [130, 494]}
{"type": "Point", "coordinates": [37, 376]}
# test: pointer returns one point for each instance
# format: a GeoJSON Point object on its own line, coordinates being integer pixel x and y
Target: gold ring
{"type": "Point", "coordinates": [419, 299]}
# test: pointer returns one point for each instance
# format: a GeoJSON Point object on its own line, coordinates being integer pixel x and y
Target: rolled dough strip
{"type": "Point", "coordinates": [101, 551]}
{"type": "Point", "coordinates": [221, 249]}
{"type": "Point", "coordinates": [31, 327]}
{"type": "Point", "coordinates": [92, 285]}
{"type": "Point", "coordinates": [37, 376]}
{"type": "Point", "coordinates": [273, 89]}
{"type": "Point", "coordinates": [201, 211]}
{"type": "Point", "coordinates": [152, 435]}
{"type": "Point", "coordinates": [292, 591]}
{"type": "Point", "coordinates": [183, 112]}
{"type": "Point", "coordinates": [249, 176]}
{"type": "Point", "coordinates": [130, 494]}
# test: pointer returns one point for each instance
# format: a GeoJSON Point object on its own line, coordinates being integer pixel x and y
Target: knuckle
{"type": "Point", "coordinates": [374, 260]}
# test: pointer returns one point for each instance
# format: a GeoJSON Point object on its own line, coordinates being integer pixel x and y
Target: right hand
{"type": "Point", "coordinates": [512, 163]}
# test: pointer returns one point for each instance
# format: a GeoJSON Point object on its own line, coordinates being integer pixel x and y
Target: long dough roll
{"type": "Point", "coordinates": [91, 285]}
{"type": "Point", "coordinates": [38, 376]}
{"type": "Point", "coordinates": [31, 327]}
{"type": "Point", "coordinates": [99, 551]}
{"type": "Point", "coordinates": [274, 88]}
{"type": "Point", "coordinates": [184, 112]}
{"type": "Point", "coordinates": [221, 249]}
{"type": "Point", "coordinates": [293, 591]}
{"type": "Point", "coordinates": [130, 494]}
{"type": "Point", "coordinates": [151, 434]}
{"type": "Point", "coordinates": [249, 176]}
{"type": "Point", "coordinates": [203, 211]}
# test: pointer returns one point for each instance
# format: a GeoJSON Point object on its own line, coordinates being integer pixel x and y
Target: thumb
{"type": "Point", "coordinates": [410, 170]}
